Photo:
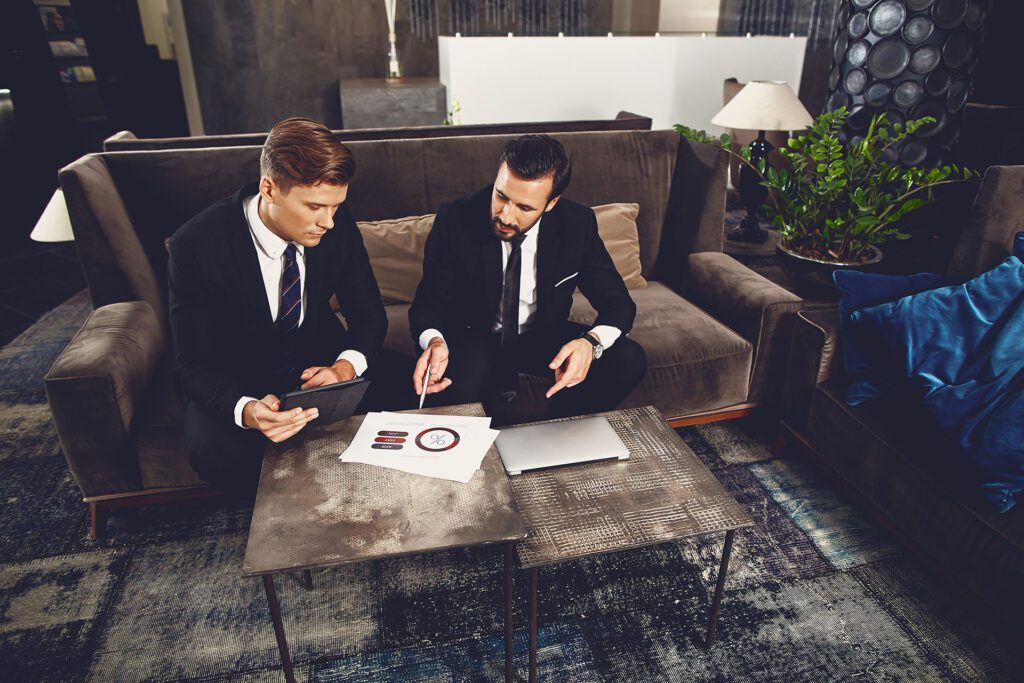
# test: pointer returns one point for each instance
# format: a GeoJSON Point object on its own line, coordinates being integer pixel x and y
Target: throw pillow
{"type": "Point", "coordinates": [395, 248]}
{"type": "Point", "coordinates": [959, 348]}
{"type": "Point", "coordinates": [616, 223]}
{"type": "Point", "coordinates": [867, 368]}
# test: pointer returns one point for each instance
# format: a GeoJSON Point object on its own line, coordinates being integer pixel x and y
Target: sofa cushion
{"type": "Point", "coordinates": [395, 248]}
{"type": "Point", "coordinates": [616, 223]}
{"type": "Point", "coordinates": [694, 363]}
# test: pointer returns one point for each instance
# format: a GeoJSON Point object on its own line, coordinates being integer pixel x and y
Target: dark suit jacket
{"type": "Point", "coordinates": [225, 343]}
{"type": "Point", "coordinates": [462, 274]}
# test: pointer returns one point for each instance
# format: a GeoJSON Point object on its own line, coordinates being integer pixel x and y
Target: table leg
{"type": "Point", "coordinates": [307, 579]}
{"type": "Point", "coordinates": [508, 613]}
{"type": "Point", "coordinates": [533, 625]}
{"type": "Point", "coordinates": [719, 589]}
{"type": "Point", "coordinates": [275, 615]}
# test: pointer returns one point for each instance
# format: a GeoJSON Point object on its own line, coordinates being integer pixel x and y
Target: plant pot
{"type": "Point", "coordinates": [812, 277]}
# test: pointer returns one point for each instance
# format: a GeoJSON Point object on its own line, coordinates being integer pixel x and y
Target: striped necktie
{"type": "Point", "coordinates": [290, 311]}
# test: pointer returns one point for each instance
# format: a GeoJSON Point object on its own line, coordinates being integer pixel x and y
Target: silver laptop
{"type": "Point", "coordinates": [532, 447]}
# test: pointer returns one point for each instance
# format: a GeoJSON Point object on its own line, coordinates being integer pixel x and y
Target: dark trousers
{"type": "Point", "coordinates": [475, 362]}
{"type": "Point", "coordinates": [230, 458]}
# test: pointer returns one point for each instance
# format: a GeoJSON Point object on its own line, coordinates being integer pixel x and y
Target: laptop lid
{"type": "Point", "coordinates": [532, 447]}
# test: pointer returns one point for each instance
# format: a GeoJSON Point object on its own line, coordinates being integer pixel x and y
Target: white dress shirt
{"type": "Point", "coordinates": [528, 292]}
{"type": "Point", "coordinates": [270, 252]}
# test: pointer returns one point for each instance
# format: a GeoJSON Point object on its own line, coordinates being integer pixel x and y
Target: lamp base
{"type": "Point", "coordinates": [748, 231]}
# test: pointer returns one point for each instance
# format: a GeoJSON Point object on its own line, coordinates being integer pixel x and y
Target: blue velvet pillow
{"type": "Point", "coordinates": [868, 367]}
{"type": "Point", "coordinates": [960, 349]}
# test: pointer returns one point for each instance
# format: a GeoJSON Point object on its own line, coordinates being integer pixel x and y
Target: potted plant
{"type": "Point", "coordinates": [836, 204]}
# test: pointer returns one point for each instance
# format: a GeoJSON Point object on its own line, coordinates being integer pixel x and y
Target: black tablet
{"type": "Point", "coordinates": [334, 401]}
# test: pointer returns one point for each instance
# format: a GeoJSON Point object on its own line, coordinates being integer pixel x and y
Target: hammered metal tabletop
{"type": "Point", "coordinates": [661, 493]}
{"type": "Point", "coordinates": [313, 510]}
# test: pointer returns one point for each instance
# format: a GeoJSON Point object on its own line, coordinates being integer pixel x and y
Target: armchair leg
{"type": "Point", "coordinates": [97, 521]}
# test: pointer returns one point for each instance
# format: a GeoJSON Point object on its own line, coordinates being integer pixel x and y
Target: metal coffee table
{"type": "Point", "coordinates": [663, 492]}
{"type": "Point", "coordinates": [311, 511]}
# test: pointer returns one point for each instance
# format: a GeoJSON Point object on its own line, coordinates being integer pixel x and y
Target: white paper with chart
{"type": "Point", "coordinates": [442, 446]}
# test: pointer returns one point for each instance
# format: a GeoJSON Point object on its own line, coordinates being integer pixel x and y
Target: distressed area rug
{"type": "Point", "coordinates": [816, 592]}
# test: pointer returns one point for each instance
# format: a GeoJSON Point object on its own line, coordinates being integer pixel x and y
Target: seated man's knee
{"type": "Point", "coordinates": [629, 362]}
{"type": "Point", "coordinates": [223, 455]}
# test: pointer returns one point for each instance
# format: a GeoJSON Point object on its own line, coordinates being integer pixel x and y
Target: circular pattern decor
{"type": "Point", "coordinates": [839, 49]}
{"type": "Point", "coordinates": [877, 94]}
{"type": "Point", "coordinates": [855, 81]}
{"type": "Point", "coordinates": [975, 15]}
{"type": "Point", "coordinates": [858, 26]}
{"type": "Point", "coordinates": [913, 152]}
{"type": "Point", "coordinates": [949, 13]}
{"type": "Point", "coordinates": [907, 59]}
{"type": "Point", "coordinates": [958, 49]}
{"type": "Point", "coordinates": [887, 17]}
{"type": "Point", "coordinates": [925, 59]}
{"type": "Point", "coordinates": [934, 109]}
{"type": "Point", "coordinates": [888, 58]}
{"type": "Point", "coordinates": [437, 439]}
{"type": "Point", "coordinates": [957, 95]}
{"type": "Point", "coordinates": [918, 30]}
{"type": "Point", "coordinates": [937, 82]}
{"type": "Point", "coordinates": [907, 94]}
{"type": "Point", "coordinates": [858, 53]}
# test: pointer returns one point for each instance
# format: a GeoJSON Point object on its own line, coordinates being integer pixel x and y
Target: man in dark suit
{"type": "Point", "coordinates": [499, 270]}
{"type": "Point", "coordinates": [251, 278]}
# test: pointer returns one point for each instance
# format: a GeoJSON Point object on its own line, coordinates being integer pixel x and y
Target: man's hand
{"type": "Point", "coordinates": [265, 416]}
{"type": "Point", "coordinates": [571, 365]}
{"type": "Point", "coordinates": [436, 358]}
{"type": "Point", "coordinates": [318, 376]}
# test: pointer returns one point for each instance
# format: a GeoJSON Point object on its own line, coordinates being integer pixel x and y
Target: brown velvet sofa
{"type": "Point", "coordinates": [126, 141]}
{"type": "Point", "coordinates": [717, 352]}
{"type": "Point", "coordinates": [889, 456]}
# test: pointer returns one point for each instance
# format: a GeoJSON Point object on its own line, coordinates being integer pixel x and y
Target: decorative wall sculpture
{"type": "Point", "coordinates": [908, 58]}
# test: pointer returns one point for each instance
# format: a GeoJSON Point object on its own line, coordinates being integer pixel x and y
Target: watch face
{"type": "Point", "coordinates": [598, 350]}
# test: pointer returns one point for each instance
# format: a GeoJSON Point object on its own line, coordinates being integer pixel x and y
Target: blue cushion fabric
{"type": "Point", "coordinates": [868, 366]}
{"type": "Point", "coordinates": [960, 349]}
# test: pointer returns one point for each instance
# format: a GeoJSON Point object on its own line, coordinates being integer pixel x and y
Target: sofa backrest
{"type": "Point", "coordinates": [125, 141]}
{"type": "Point", "coordinates": [123, 205]}
{"type": "Point", "coordinates": [996, 216]}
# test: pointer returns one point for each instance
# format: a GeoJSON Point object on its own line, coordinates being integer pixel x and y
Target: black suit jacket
{"type": "Point", "coordinates": [226, 345]}
{"type": "Point", "coordinates": [462, 272]}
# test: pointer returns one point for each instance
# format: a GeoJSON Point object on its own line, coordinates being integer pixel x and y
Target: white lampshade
{"type": "Point", "coordinates": [55, 224]}
{"type": "Point", "coordinates": [764, 105]}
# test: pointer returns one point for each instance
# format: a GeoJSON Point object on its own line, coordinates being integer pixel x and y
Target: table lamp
{"type": "Point", "coordinates": [760, 106]}
{"type": "Point", "coordinates": [55, 224]}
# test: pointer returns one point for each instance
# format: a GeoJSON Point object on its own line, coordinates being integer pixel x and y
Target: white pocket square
{"type": "Point", "coordinates": [567, 278]}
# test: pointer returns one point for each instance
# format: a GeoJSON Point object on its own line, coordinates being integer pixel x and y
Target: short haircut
{"type": "Point", "coordinates": [302, 151]}
{"type": "Point", "coordinates": [538, 156]}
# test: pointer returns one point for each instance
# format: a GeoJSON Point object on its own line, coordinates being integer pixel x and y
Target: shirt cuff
{"type": "Point", "coordinates": [427, 335]}
{"type": "Point", "coordinates": [606, 334]}
{"type": "Point", "coordinates": [357, 360]}
{"type": "Point", "coordinates": [239, 407]}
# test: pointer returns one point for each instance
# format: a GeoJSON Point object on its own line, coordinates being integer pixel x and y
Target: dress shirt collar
{"type": "Point", "coordinates": [271, 245]}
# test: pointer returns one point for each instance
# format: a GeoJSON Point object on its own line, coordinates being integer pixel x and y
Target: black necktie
{"type": "Point", "coordinates": [291, 292]}
{"type": "Point", "coordinates": [510, 318]}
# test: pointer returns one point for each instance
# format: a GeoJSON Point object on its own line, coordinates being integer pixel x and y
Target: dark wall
{"type": "Point", "coordinates": [259, 61]}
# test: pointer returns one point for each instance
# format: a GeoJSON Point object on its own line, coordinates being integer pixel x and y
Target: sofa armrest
{"type": "Point", "coordinates": [813, 358]}
{"type": "Point", "coordinates": [94, 389]}
{"type": "Point", "coordinates": [754, 307]}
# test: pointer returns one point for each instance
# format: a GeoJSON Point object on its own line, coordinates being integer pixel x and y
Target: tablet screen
{"type": "Point", "coordinates": [334, 401]}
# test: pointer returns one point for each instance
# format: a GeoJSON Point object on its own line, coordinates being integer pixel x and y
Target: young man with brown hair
{"type": "Point", "coordinates": [251, 279]}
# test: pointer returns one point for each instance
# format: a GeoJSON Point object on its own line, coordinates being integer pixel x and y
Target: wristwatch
{"type": "Point", "coordinates": [598, 346]}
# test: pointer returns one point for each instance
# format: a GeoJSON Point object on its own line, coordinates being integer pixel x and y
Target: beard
{"type": "Point", "coordinates": [496, 226]}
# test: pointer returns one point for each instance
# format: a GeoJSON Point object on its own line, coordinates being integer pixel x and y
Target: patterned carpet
{"type": "Point", "coordinates": [816, 592]}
